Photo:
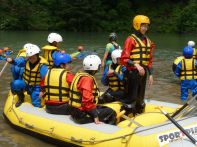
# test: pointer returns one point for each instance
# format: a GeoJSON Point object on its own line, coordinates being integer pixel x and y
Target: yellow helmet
{"type": "Point", "coordinates": [138, 20]}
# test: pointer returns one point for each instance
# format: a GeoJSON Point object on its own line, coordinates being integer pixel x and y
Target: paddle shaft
{"type": "Point", "coordinates": [3, 68]}
{"type": "Point", "coordinates": [131, 120]}
{"type": "Point", "coordinates": [185, 105]}
{"type": "Point", "coordinates": [179, 110]}
{"type": "Point", "coordinates": [179, 126]}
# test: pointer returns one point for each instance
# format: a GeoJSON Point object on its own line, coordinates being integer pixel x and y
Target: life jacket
{"type": "Point", "coordinates": [141, 52]}
{"type": "Point", "coordinates": [114, 83]}
{"type": "Point", "coordinates": [176, 62]}
{"type": "Point", "coordinates": [32, 76]}
{"type": "Point", "coordinates": [109, 53]}
{"type": "Point", "coordinates": [178, 59]}
{"type": "Point", "coordinates": [75, 95]}
{"type": "Point", "coordinates": [47, 54]}
{"type": "Point", "coordinates": [188, 70]}
{"type": "Point", "coordinates": [56, 87]}
{"type": "Point", "coordinates": [195, 53]}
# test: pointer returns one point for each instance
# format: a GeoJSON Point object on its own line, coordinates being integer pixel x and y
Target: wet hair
{"type": "Point", "coordinates": [112, 37]}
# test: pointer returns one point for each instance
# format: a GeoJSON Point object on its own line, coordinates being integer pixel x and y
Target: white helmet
{"type": "Point", "coordinates": [27, 45]}
{"type": "Point", "coordinates": [32, 50]}
{"type": "Point", "coordinates": [91, 62]}
{"type": "Point", "coordinates": [54, 37]}
{"type": "Point", "coordinates": [191, 43]}
{"type": "Point", "coordinates": [116, 54]}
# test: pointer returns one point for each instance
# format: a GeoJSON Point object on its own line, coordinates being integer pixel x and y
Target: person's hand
{"type": "Point", "coordinates": [110, 72]}
{"type": "Point", "coordinates": [41, 94]}
{"type": "Point", "coordinates": [96, 121]}
{"type": "Point", "coordinates": [140, 69]}
{"type": "Point", "coordinates": [129, 62]}
{"type": "Point", "coordinates": [150, 80]}
{"type": "Point", "coordinates": [9, 60]}
{"type": "Point", "coordinates": [123, 68]}
{"type": "Point", "coordinates": [102, 64]}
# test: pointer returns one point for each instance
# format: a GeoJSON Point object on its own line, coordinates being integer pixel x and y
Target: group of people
{"type": "Point", "coordinates": [185, 67]}
{"type": "Point", "coordinates": [49, 77]}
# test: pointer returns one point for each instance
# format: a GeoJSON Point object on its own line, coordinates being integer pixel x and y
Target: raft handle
{"type": "Point", "coordinates": [76, 140]}
{"type": "Point", "coordinates": [29, 126]}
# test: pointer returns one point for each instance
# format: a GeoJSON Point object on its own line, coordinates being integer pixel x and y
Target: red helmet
{"type": "Point", "coordinates": [1, 51]}
{"type": "Point", "coordinates": [6, 48]}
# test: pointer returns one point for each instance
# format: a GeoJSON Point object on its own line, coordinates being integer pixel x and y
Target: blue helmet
{"type": "Point", "coordinates": [188, 52]}
{"type": "Point", "coordinates": [61, 58]}
{"type": "Point", "coordinates": [112, 37]}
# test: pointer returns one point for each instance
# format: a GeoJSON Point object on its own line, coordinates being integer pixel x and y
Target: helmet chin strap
{"type": "Point", "coordinates": [91, 72]}
{"type": "Point", "coordinates": [139, 34]}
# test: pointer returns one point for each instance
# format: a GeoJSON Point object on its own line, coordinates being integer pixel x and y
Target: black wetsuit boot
{"type": "Point", "coordinates": [20, 98]}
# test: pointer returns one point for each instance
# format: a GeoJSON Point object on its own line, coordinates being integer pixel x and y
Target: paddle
{"type": "Point", "coordinates": [131, 121]}
{"type": "Point", "coordinates": [3, 68]}
{"type": "Point", "coordinates": [178, 126]}
{"type": "Point", "coordinates": [185, 105]}
{"type": "Point", "coordinates": [121, 114]}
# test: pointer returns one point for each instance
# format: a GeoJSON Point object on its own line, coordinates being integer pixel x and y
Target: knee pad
{"type": "Point", "coordinates": [106, 98]}
{"type": "Point", "coordinates": [18, 85]}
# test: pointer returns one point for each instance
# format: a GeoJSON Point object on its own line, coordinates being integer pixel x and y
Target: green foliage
{"type": "Point", "coordinates": [97, 15]}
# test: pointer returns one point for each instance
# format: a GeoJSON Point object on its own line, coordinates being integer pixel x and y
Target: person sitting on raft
{"type": "Point", "coordinates": [17, 69]}
{"type": "Point", "coordinates": [186, 70]}
{"type": "Point", "coordinates": [50, 50]}
{"type": "Point", "coordinates": [84, 95]}
{"type": "Point", "coordinates": [35, 70]}
{"type": "Point", "coordinates": [56, 85]}
{"type": "Point", "coordinates": [113, 76]}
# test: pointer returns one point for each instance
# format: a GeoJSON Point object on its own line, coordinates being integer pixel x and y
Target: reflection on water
{"type": "Point", "coordinates": [165, 88]}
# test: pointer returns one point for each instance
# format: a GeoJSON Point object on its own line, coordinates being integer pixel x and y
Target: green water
{"type": "Point", "coordinates": [165, 88]}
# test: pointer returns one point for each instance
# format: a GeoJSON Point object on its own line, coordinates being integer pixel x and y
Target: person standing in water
{"type": "Point", "coordinates": [186, 71]}
{"type": "Point", "coordinates": [112, 45]}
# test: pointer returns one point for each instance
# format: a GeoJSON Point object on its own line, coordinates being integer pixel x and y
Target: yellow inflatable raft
{"type": "Point", "coordinates": [150, 129]}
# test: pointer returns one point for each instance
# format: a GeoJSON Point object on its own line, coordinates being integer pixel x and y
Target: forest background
{"type": "Point", "coordinates": [167, 16]}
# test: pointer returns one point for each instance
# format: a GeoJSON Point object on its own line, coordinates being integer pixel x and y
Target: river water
{"type": "Point", "coordinates": [165, 88]}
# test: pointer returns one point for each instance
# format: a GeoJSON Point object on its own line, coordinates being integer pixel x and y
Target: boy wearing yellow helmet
{"type": "Point", "coordinates": [137, 57]}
